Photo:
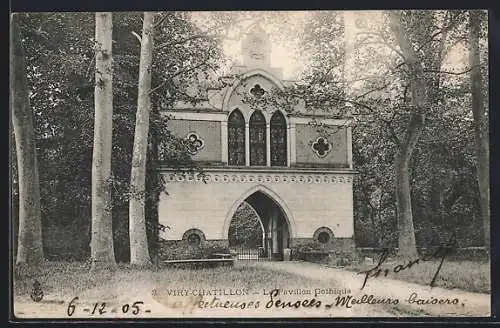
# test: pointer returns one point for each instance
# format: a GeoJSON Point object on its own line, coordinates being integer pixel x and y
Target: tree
{"type": "Point", "coordinates": [58, 52]}
{"type": "Point", "coordinates": [139, 254]}
{"type": "Point", "coordinates": [60, 70]}
{"type": "Point", "coordinates": [480, 123]}
{"type": "Point", "coordinates": [397, 80]}
{"type": "Point", "coordinates": [419, 102]}
{"type": "Point", "coordinates": [30, 247]}
{"type": "Point", "coordinates": [429, 32]}
{"type": "Point", "coordinates": [102, 250]}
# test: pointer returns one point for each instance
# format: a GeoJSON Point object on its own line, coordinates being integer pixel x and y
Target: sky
{"type": "Point", "coordinates": [286, 55]}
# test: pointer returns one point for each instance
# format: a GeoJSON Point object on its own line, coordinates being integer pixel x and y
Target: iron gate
{"type": "Point", "coordinates": [250, 254]}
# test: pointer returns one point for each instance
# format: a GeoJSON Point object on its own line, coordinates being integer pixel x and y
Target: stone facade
{"type": "Point", "coordinates": [336, 157]}
{"type": "Point", "coordinates": [306, 200]}
{"type": "Point", "coordinates": [309, 200]}
{"type": "Point", "coordinates": [209, 131]}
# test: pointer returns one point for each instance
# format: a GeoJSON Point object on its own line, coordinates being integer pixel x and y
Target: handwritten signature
{"type": "Point", "coordinates": [441, 252]}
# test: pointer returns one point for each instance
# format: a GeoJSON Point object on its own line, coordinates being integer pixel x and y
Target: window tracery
{"type": "Point", "coordinates": [236, 138]}
{"type": "Point", "coordinates": [257, 139]}
{"type": "Point", "coordinates": [321, 147]}
{"type": "Point", "coordinates": [278, 140]}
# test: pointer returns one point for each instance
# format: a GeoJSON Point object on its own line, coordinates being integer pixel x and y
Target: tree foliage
{"type": "Point", "coordinates": [245, 229]}
{"type": "Point", "coordinates": [444, 194]}
{"type": "Point", "coordinates": [365, 75]}
{"type": "Point", "coordinates": [59, 55]}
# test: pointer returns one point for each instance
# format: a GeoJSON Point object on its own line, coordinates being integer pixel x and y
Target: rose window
{"type": "Point", "coordinates": [257, 91]}
{"type": "Point", "coordinates": [194, 143]}
{"type": "Point", "coordinates": [321, 147]}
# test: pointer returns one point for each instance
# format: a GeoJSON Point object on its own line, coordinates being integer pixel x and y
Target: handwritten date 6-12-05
{"type": "Point", "coordinates": [100, 308]}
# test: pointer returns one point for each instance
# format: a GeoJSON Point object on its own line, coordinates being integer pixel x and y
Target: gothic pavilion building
{"type": "Point", "coordinates": [298, 180]}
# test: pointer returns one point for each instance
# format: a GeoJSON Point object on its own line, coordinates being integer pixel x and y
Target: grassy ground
{"type": "Point", "coordinates": [71, 278]}
{"type": "Point", "coordinates": [64, 279]}
{"type": "Point", "coordinates": [473, 276]}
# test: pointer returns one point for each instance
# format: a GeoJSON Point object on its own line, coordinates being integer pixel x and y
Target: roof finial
{"type": "Point", "coordinates": [256, 47]}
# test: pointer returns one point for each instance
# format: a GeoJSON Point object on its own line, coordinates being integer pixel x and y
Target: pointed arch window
{"type": "Point", "coordinates": [278, 140]}
{"type": "Point", "coordinates": [257, 139]}
{"type": "Point", "coordinates": [236, 138]}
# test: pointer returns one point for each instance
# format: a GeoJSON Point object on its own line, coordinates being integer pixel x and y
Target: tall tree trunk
{"type": "Point", "coordinates": [406, 232]}
{"type": "Point", "coordinates": [152, 166]}
{"type": "Point", "coordinates": [406, 238]}
{"type": "Point", "coordinates": [102, 250]}
{"type": "Point", "coordinates": [30, 247]}
{"type": "Point", "coordinates": [139, 254]}
{"type": "Point", "coordinates": [480, 126]}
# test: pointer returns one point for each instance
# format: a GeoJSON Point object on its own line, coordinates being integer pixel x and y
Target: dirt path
{"type": "Point", "coordinates": [115, 295]}
{"type": "Point", "coordinates": [117, 292]}
{"type": "Point", "coordinates": [469, 304]}
{"type": "Point", "coordinates": [120, 294]}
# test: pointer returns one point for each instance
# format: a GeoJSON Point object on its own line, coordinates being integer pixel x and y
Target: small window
{"type": "Point", "coordinates": [278, 140]}
{"type": "Point", "coordinates": [194, 143]}
{"type": "Point", "coordinates": [323, 237]}
{"type": "Point", "coordinates": [236, 138]}
{"type": "Point", "coordinates": [194, 237]}
{"type": "Point", "coordinates": [194, 240]}
{"type": "Point", "coordinates": [257, 139]}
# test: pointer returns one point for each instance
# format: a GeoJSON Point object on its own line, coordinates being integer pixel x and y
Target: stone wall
{"type": "Point", "coordinates": [335, 247]}
{"type": "Point", "coordinates": [306, 134]}
{"type": "Point", "coordinates": [309, 200]}
{"type": "Point", "coordinates": [208, 131]}
{"type": "Point", "coordinates": [182, 250]}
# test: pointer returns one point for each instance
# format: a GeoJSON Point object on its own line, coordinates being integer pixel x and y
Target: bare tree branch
{"type": "Point", "coordinates": [137, 36]}
{"type": "Point", "coordinates": [452, 22]}
{"type": "Point", "coordinates": [160, 22]}
{"type": "Point", "coordinates": [449, 72]}
{"type": "Point", "coordinates": [201, 35]}
{"type": "Point", "coordinates": [392, 132]}
{"type": "Point", "coordinates": [179, 73]}
{"type": "Point", "coordinates": [373, 90]}
{"type": "Point", "coordinates": [182, 41]}
{"type": "Point", "coordinates": [383, 41]}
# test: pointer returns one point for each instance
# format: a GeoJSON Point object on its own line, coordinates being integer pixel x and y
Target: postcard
{"type": "Point", "coordinates": [250, 164]}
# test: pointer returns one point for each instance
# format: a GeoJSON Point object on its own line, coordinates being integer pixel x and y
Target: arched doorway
{"type": "Point", "coordinates": [274, 225]}
{"type": "Point", "coordinates": [246, 234]}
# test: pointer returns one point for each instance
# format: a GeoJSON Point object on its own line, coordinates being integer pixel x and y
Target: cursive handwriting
{"type": "Point", "coordinates": [348, 301]}
{"type": "Point", "coordinates": [275, 302]}
{"type": "Point", "coordinates": [225, 304]}
{"type": "Point", "coordinates": [442, 251]}
{"type": "Point", "coordinates": [414, 299]}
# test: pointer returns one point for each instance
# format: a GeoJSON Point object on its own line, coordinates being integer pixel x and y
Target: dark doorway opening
{"type": "Point", "coordinates": [259, 216]}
